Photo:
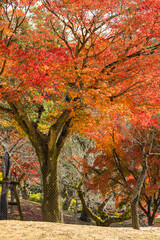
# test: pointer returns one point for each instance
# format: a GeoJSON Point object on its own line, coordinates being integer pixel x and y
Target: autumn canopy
{"type": "Point", "coordinates": [81, 66]}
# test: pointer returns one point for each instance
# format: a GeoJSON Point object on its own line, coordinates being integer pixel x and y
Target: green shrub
{"type": "Point", "coordinates": [35, 197]}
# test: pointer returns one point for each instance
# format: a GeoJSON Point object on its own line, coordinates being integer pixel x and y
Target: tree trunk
{"type": "Point", "coordinates": [4, 200]}
{"type": "Point", "coordinates": [136, 195]}
{"type": "Point", "coordinates": [134, 211]}
{"type": "Point", "coordinates": [152, 205]}
{"type": "Point", "coordinates": [48, 147]}
{"type": "Point", "coordinates": [51, 203]}
{"type": "Point", "coordinates": [12, 199]}
{"type": "Point", "coordinates": [84, 217]}
{"type": "Point", "coordinates": [151, 216]}
{"type": "Point", "coordinates": [150, 221]}
{"type": "Point", "coordinates": [24, 191]}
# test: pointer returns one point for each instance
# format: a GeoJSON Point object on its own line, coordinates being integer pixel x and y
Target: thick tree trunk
{"type": "Point", "coordinates": [136, 195]}
{"type": "Point", "coordinates": [51, 202]}
{"type": "Point", "coordinates": [48, 147]}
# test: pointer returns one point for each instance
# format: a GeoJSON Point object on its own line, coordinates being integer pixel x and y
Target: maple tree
{"type": "Point", "coordinates": [83, 59]}
{"type": "Point", "coordinates": [140, 158]}
{"type": "Point", "coordinates": [127, 159]}
{"type": "Point", "coordinates": [77, 154]}
{"type": "Point", "coordinates": [150, 194]}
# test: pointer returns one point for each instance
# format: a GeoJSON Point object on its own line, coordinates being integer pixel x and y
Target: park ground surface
{"type": "Point", "coordinates": [34, 229]}
{"type": "Point", "coordinates": [31, 230]}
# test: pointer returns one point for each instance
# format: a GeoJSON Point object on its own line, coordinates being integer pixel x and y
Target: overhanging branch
{"type": "Point", "coordinates": [144, 51]}
{"type": "Point", "coordinates": [5, 109]}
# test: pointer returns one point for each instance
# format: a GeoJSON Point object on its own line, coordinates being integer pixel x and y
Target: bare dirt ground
{"type": "Point", "coordinates": [34, 229]}
{"type": "Point", "coordinates": [18, 230]}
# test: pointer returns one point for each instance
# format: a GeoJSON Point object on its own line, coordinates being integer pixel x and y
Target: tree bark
{"type": "Point", "coordinates": [51, 203]}
{"type": "Point", "coordinates": [136, 195]}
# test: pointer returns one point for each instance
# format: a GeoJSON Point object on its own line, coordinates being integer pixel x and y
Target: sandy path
{"type": "Point", "coordinates": [18, 230]}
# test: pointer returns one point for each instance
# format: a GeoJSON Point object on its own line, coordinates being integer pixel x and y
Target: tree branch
{"type": "Point", "coordinates": [56, 130]}
{"type": "Point", "coordinates": [63, 136]}
{"type": "Point", "coordinates": [143, 51]}
{"type": "Point", "coordinates": [7, 110]}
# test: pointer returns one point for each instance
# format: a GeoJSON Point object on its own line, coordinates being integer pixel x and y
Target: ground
{"type": "Point", "coordinates": [28, 230]}
{"type": "Point", "coordinates": [33, 228]}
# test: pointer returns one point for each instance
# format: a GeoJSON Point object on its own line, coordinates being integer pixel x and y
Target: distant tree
{"type": "Point", "coordinates": [130, 164]}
